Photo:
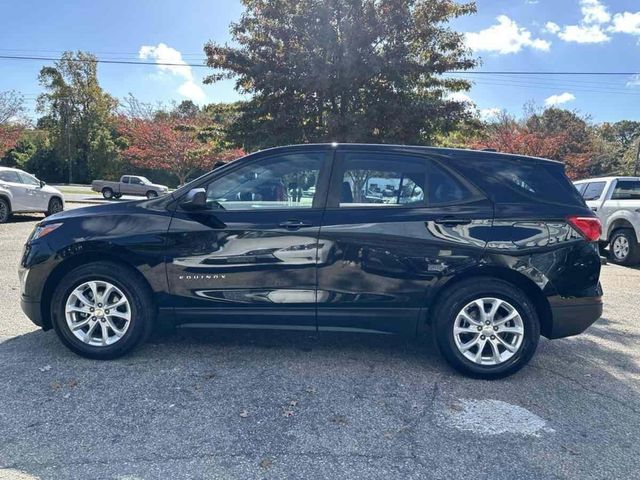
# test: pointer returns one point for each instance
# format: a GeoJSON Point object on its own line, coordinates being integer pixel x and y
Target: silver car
{"type": "Point", "coordinates": [21, 192]}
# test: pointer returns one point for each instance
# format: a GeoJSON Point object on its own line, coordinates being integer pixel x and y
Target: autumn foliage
{"type": "Point", "coordinates": [170, 144]}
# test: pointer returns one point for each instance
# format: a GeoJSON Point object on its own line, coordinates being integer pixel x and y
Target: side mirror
{"type": "Point", "coordinates": [195, 199]}
{"type": "Point", "coordinates": [42, 183]}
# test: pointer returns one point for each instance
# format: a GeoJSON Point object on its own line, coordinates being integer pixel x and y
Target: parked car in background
{"type": "Point", "coordinates": [616, 201]}
{"type": "Point", "coordinates": [129, 185]}
{"type": "Point", "coordinates": [484, 251]}
{"type": "Point", "coordinates": [21, 192]}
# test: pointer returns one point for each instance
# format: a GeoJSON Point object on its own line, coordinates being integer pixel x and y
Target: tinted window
{"type": "Point", "coordinates": [9, 176]}
{"type": "Point", "coordinates": [287, 181]}
{"type": "Point", "coordinates": [509, 179]}
{"type": "Point", "coordinates": [125, 180]}
{"type": "Point", "coordinates": [626, 190]}
{"type": "Point", "coordinates": [29, 179]}
{"type": "Point", "coordinates": [136, 181]}
{"type": "Point", "coordinates": [593, 190]}
{"type": "Point", "coordinates": [382, 180]}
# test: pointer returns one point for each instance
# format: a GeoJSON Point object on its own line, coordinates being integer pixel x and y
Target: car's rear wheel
{"type": "Point", "coordinates": [624, 247]}
{"type": "Point", "coordinates": [486, 328]}
{"type": "Point", "coordinates": [101, 311]}
{"type": "Point", "coordinates": [107, 193]}
{"type": "Point", "coordinates": [55, 206]}
{"type": "Point", "coordinates": [5, 211]}
{"type": "Point", "coordinates": [151, 194]}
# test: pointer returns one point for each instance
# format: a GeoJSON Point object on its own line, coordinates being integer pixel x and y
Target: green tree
{"type": "Point", "coordinates": [79, 114]}
{"type": "Point", "coordinates": [344, 70]}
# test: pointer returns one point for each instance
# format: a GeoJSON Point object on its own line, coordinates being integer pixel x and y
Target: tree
{"type": "Point", "coordinates": [344, 70]}
{"type": "Point", "coordinates": [554, 133]}
{"type": "Point", "coordinates": [11, 121]}
{"type": "Point", "coordinates": [170, 145]}
{"type": "Point", "coordinates": [79, 113]}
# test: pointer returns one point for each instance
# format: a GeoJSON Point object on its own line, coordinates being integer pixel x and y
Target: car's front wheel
{"type": "Point", "coordinates": [486, 328]}
{"type": "Point", "coordinates": [107, 193]}
{"type": "Point", "coordinates": [55, 206]}
{"type": "Point", "coordinates": [101, 311]}
{"type": "Point", "coordinates": [151, 194]}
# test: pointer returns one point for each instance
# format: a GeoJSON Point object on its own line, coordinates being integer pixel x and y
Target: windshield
{"type": "Point", "coordinates": [145, 180]}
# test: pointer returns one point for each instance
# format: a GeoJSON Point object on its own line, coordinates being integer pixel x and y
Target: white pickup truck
{"type": "Point", "coordinates": [616, 201]}
{"type": "Point", "coordinates": [128, 185]}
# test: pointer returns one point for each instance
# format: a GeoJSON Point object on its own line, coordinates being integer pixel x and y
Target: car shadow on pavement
{"type": "Point", "coordinates": [239, 404]}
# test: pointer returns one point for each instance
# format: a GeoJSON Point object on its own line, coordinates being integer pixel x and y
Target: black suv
{"type": "Point", "coordinates": [484, 250]}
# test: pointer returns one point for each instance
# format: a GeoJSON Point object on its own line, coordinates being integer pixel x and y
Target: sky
{"type": "Point", "coordinates": [506, 35]}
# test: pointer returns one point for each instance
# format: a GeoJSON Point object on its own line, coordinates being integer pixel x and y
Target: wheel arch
{"type": "Point", "coordinates": [519, 280]}
{"type": "Point", "coordinates": [617, 224]}
{"type": "Point", "coordinates": [5, 196]}
{"type": "Point", "coordinates": [69, 264]}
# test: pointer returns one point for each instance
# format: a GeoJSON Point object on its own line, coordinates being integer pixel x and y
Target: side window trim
{"type": "Point", "coordinates": [322, 184]}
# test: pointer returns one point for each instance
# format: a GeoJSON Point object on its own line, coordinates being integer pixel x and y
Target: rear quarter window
{"type": "Point", "coordinates": [593, 190]}
{"type": "Point", "coordinates": [514, 180]}
{"type": "Point", "coordinates": [626, 190]}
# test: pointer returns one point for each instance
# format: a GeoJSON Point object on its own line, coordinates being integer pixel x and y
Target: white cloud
{"type": "Point", "coordinates": [489, 114]}
{"type": "Point", "coordinates": [594, 12]}
{"type": "Point", "coordinates": [559, 99]}
{"type": "Point", "coordinates": [163, 54]}
{"type": "Point", "coordinates": [634, 82]}
{"type": "Point", "coordinates": [592, 26]}
{"type": "Point", "coordinates": [583, 34]}
{"type": "Point", "coordinates": [552, 27]}
{"type": "Point", "coordinates": [504, 37]}
{"type": "Point", "coordinates": [460, 97]}
{"type": "Point", "coordinates": [626, 22]}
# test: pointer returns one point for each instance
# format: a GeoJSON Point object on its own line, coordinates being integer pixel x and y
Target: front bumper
{"type": "Point", "coordinates": [571, 316]}
{"type": "Point", "coordinates": [33, 311]}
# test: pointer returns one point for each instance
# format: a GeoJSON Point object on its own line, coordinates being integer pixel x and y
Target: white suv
{"type": "Point", "coordinates": [616, 201]}
{"type": "Point", "coordinates": [21, 192]}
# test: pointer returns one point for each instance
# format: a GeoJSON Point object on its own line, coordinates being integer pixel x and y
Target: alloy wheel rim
{"type": "Point", "coordinates": [98, 313]}
{"type": "Point", "coordinates": [488, 331]}
{"type": "Point", "coordinates": [56, 207]}
{"type": "Point", "coordinates": [621, 247]}
{"type": "Point", "coordinates": [3, 211]}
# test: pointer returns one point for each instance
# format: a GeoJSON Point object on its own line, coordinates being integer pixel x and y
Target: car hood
{"type": "Point", "coordinates": [107, 209]}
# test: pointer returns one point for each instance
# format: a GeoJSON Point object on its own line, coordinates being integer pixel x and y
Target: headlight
{"type": "Point", "coordinates": [42, 230]}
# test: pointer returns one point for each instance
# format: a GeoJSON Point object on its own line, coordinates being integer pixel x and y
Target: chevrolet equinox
{"type": "Point", "coordinates": [484, 251]}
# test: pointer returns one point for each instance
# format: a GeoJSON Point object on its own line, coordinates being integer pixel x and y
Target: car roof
{"type": "Point", "coordinates": [441, 151]}
{"type": "Point", "coordinates": [9, 169]}
{"type": "Point", "coordinates": [606, 179]}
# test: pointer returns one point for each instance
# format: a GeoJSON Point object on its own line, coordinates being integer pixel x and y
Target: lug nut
{"type": "Point", "coordinates": [482, 337]}
{"type": "Point", "coordinates": [495, 328]}
{"type": "Point", "coordinates": [486, 323]}
{"type": "Point", "coordinates": [91, 309]}
{"type": "Point", "coordinates": [493, 337]}
{"type": "Point", "coordinates": [107, 311]}
{"type": "Point", "coordinates": [479, 329]}
{"type": "Point", "coordinates": [93, 318]}
{"type": "Point", "coordinates": [99, 304]}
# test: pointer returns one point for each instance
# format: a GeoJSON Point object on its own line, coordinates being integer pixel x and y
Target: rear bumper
{"type": "Point", "coordinates": [571, 316]}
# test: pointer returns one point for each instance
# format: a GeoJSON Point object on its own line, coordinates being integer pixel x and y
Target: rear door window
{"type": "Point", "coordinates": [379, 180]}
{"type": "Point", "coordinates": [626, 190]}
{"type": "Point", "coordinates": [593, 190]}
{"type": "Point", "coordinates": [9, 176]}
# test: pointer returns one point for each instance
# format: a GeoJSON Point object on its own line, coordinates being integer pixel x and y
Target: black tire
{"type": "Point", "coordinates": [465, 292]}
{"type": "Point", "coordinates": [5, 211]}
{"type": "Point", "coordinates": [107, 193]}
{"type": "Point", "coordinates": [55, 206]}
{"type": "Point", "coordinates": [151, 194]}
{"type": "Point", "coordinates": [140, 299]}
{"type": "Point", "coordinates": [620, 255]}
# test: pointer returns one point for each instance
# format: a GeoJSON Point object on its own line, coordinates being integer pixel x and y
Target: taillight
{"type": "Point", "coordinates": [589, 227]}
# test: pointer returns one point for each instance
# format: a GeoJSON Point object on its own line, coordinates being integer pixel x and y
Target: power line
{"type": "Point", "coordinates": [202, 65]}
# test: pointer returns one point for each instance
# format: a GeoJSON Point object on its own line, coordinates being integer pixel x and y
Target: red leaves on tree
{"type": "Point", "coordinates": [171, 145]}
{"type": "Point", "coordinates": [9, 136]}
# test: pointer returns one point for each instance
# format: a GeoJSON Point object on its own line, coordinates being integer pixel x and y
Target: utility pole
{"type": "Point", "coordinates": [68, 131]}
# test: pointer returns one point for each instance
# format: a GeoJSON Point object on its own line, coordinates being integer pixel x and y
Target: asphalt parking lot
{"type": "Point", "coordinates": [274, 405]}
